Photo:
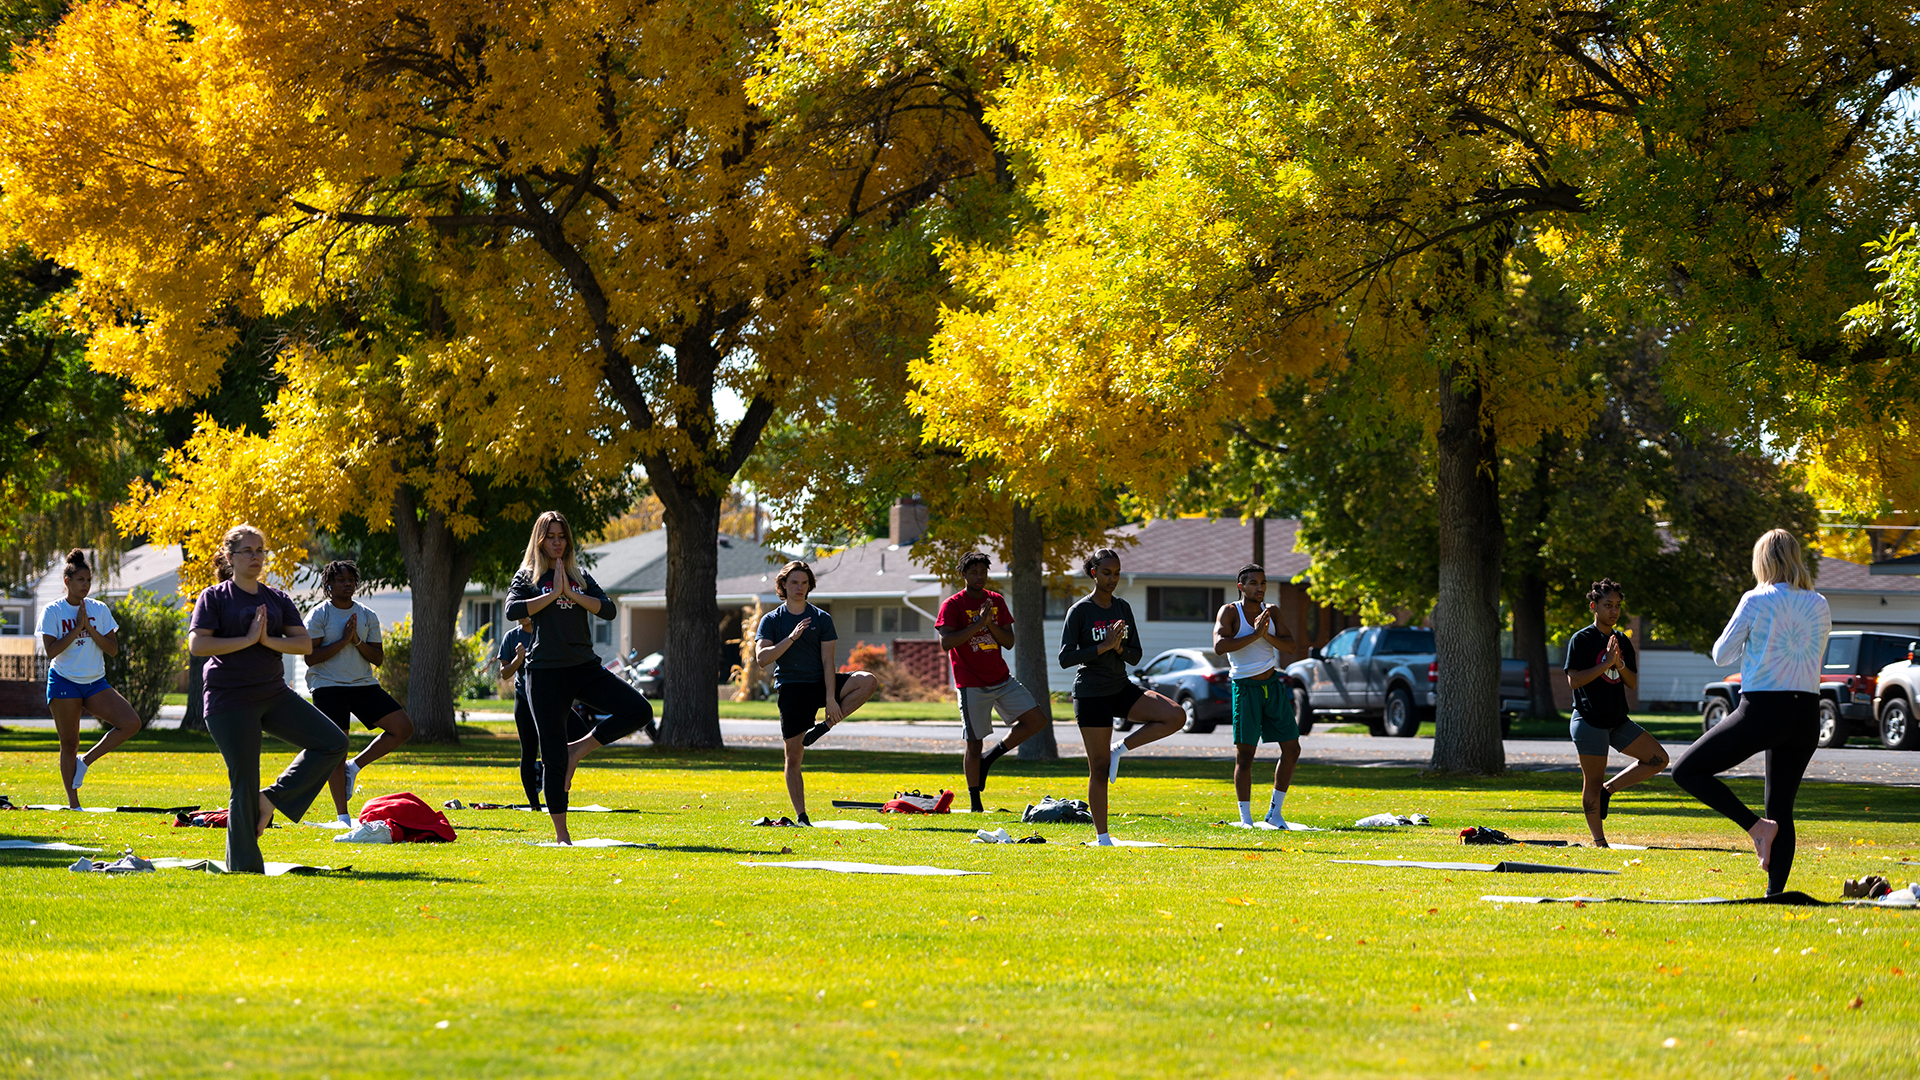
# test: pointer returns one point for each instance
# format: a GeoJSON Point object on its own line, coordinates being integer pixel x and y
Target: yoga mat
{"type": "Point", "coordinates": [1262, 826]}
{"type": "Point", "coordinates": [598, 841]}
{"type": "Point", "coordinates": [1491, 868]}
{"type": "Point", "coordinates": [35, 845]}
{"type": "Point", "coordinates": [849, 825]}
{"type": "Point", "coordinates": [1127, 843]}
{"type": "Point", "coordinates": [870, 868]}
{"type": "Point", "coordinates": [854, 804]}
{"type": "Point", "coordinates": [218, 866]}
{"type": "Point", "coordinates": [1789, 899]}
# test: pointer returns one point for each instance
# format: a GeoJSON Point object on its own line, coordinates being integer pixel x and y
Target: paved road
{"type": "Point", "coordinates": [1852, 764]}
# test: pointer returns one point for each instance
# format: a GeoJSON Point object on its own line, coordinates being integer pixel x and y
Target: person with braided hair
{"type": "Point", "coordinates": [346, 649]}
{"type": "Point", "coordinates": [1601, 664]}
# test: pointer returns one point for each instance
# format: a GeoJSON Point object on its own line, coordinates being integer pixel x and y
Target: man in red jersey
{"type": "Point", "coordinates": [975, 627]}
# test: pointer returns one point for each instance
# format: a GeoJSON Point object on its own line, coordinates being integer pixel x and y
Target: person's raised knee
{"type": "Point", "coordinates": [400, 726]}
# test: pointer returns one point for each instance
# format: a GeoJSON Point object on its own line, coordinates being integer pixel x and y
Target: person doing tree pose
{"type": "Point", "coordinates": [1778, 634]}
{"type": "Point", "coordinates": [975, 627]}
{"type": "Point", "coordinates": [1251, 634]}
{"type": "Point", "coordinates": [245, 626]}
{"type": "Point", "coordinates": [561, 667]}
{"type": "Point", "coordinates": [797, 639]}
{"type": "Point", "coordinates": [346, 649]}
{"type": "Point", "coordinates": [1601, 665]}
{"type": "Point", "coordinates": [78, 633]}
{"type": "Point", "coordinates": [1099, 638]}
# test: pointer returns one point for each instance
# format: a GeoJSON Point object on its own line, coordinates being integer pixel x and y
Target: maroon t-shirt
{"type": "Point", "coordinates": [979, 661]}
{"type": "Point", "coordinates": [256, 673]}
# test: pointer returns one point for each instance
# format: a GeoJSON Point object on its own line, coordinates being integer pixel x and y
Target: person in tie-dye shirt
{"type": "Point", "coordinates": [1779, 634]}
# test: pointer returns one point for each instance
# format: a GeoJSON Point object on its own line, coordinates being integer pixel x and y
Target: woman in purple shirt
{"type": "Point", "coordinates": [245, 626]}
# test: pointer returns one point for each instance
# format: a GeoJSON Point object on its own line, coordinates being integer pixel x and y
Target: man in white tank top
{"type": "Point", "coordinates": [1251, 634]}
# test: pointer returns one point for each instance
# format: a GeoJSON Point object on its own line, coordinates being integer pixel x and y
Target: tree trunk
{"type": "Point", "coordinates": [438, 565]}
{"type": "Point", "coordinates": [1529, 600]}
{"type": "Point", "coordinates": [1530, 640]}
{"type": "Point", "coordinates": [196, 718]}
{"type": "Point", "coordinates": [1260, 539]}
{"type": "Point", "coordinates": [1466, 735]}
{"type": "Point", "coordinates": [1025, 564]}
{"type": "Point", "coordinates": [694, 647]}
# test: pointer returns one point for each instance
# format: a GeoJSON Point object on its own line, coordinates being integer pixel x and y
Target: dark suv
{"type": "Point", "coordinates": [1847, 679]}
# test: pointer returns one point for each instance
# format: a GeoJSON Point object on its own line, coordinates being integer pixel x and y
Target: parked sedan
{"type": "Point", "coordinates": [1197, 681]}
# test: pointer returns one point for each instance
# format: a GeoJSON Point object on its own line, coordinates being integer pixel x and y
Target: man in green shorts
{"type": "Point", "coordinates": [1251, 634]}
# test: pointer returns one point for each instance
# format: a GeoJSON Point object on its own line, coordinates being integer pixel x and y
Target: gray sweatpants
{"type": "Point", "coordinates": [237, 732]}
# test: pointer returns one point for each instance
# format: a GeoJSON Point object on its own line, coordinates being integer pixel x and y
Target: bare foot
{"type": "Point", "coordinates": [575, 753]}
{"type": "Point", "coordinates": [560, 833]}
{"type": "Point", "coordinates": [263, 818]}
{"type": "Point", "coordinates": [1763, 832]}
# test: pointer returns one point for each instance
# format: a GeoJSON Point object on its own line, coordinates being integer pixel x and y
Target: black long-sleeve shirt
{"type": "Point", "coordinates": [1101, 673]}
{"type": "Point", "coordinates": [563, 630]}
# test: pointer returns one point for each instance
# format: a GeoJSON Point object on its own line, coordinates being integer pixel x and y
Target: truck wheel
{"type": "Point", "coordinates": [1833, 731]}
{"type": "Point", "coordinates": [1400, 721]}
{"type": "Point", "coordinates": [1897, 729]}
{"type": "Point", "coordinates": [1302, 711]}
{"type": "Point", "coordinates": [1714, 712]}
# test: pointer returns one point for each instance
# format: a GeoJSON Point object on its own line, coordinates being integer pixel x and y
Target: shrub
{"type": "Point", "coordinates": [468, 668]}
{"type": "Point", "coordinates": [153, 650]}
{"type": "Point", "coordinates": [896, 682]}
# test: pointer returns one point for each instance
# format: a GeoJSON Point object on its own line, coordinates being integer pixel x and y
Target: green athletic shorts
{"type": "Point", "coordinates": [1263, 711]}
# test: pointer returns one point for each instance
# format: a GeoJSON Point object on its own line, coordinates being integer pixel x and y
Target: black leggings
{"type": "Point", "coordinates": [551, 693]}
{"type": "Point", "coordinates": [1785, 724]}
{"type": "Point", "coordinates": [530, 771]}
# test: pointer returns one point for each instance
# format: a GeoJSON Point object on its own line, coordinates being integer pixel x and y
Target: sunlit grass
{"type": "Point", "coordinates": [1231, 953]}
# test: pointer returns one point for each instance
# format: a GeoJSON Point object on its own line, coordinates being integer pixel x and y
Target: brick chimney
{"type": "Point", "coordinates": [906, 521]}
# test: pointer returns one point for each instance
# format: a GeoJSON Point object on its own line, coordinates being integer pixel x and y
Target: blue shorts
{"type": "Point", "coordinates": [59, 686]}
{"type": "Point", "coordinates": [1593, 741]}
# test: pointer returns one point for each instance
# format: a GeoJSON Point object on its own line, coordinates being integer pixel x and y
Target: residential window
{"type": "Point", "coordinates": [1184, 603]}
{"type": "Point", "coordinates": [602, 632]}
{"type": "Point", "coordinates": [886, 620]}
{"type": "Point", "coordinates": [1058, 601]}
{"type": "Point", "coordinates": [13, 622]}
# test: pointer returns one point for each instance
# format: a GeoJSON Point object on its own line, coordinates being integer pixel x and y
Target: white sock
{"type": "Point", "coordinates": [1246, 812]}
{"type": "Point", "coordinates": [346, 819]}
{"type": "Point", "coordinates": [1103, 840]}
{"type": "Point", "coordinates": [1119, 748]}
{"type": "Point", "coordinates": [1279, 800]}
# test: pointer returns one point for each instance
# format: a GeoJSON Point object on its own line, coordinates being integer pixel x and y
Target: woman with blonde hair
{"type": "Point", "coordinates": [561, 600]}
{"type": "Point", "coordinates": [1778, 634]}
{"type": "Point", "coordinates": [245, 626]}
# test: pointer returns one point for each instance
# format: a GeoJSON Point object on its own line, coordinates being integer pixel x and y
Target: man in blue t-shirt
{"type": "Point", "coordinates": [797, 639]}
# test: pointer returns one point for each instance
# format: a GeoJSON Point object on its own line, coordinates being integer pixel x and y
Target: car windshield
{"type": "Point", "coordinates": [1402, 640]}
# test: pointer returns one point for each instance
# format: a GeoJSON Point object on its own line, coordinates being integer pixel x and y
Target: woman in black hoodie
{"type": "Point", "coordinates": [561, 667]}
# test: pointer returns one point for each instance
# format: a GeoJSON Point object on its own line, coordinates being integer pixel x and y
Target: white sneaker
{"type": "Point", "coordinates": [353, 777]}
{"type": "Point", "coordinates": [79, 772]}
{"type": "Point", "coordinates": [1103, 841]}
{"type": "Point", "coordinates": [992, 836]}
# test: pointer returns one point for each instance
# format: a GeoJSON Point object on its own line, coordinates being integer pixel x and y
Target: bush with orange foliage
{"type": "Point", "coordinates": [896, 682]}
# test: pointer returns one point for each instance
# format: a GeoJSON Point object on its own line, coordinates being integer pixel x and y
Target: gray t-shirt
{"type": "Point", "coordinates": [347, 667]}
{"type": "Point", "coordinates": [801, 662]}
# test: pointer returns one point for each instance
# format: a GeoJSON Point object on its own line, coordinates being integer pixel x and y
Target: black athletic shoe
{"type": "Point", "coordinates": [815, 733]}
{"type": "Point", "coordinates": [804, 822]}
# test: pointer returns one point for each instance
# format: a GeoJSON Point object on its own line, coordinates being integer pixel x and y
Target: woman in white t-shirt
{"type": "Point", "coordinates": [79, 634]}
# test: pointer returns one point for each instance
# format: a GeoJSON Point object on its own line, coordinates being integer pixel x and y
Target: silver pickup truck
{"type": "Point", "coordinates": [1387, 676]}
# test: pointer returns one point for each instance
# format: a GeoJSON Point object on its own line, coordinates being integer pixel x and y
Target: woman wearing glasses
{"type": "Point", "coordinates": [245, 625]}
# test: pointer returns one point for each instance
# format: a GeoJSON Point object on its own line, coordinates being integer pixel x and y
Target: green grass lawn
{"type": "Point", "coordinates": [1229, 953]}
